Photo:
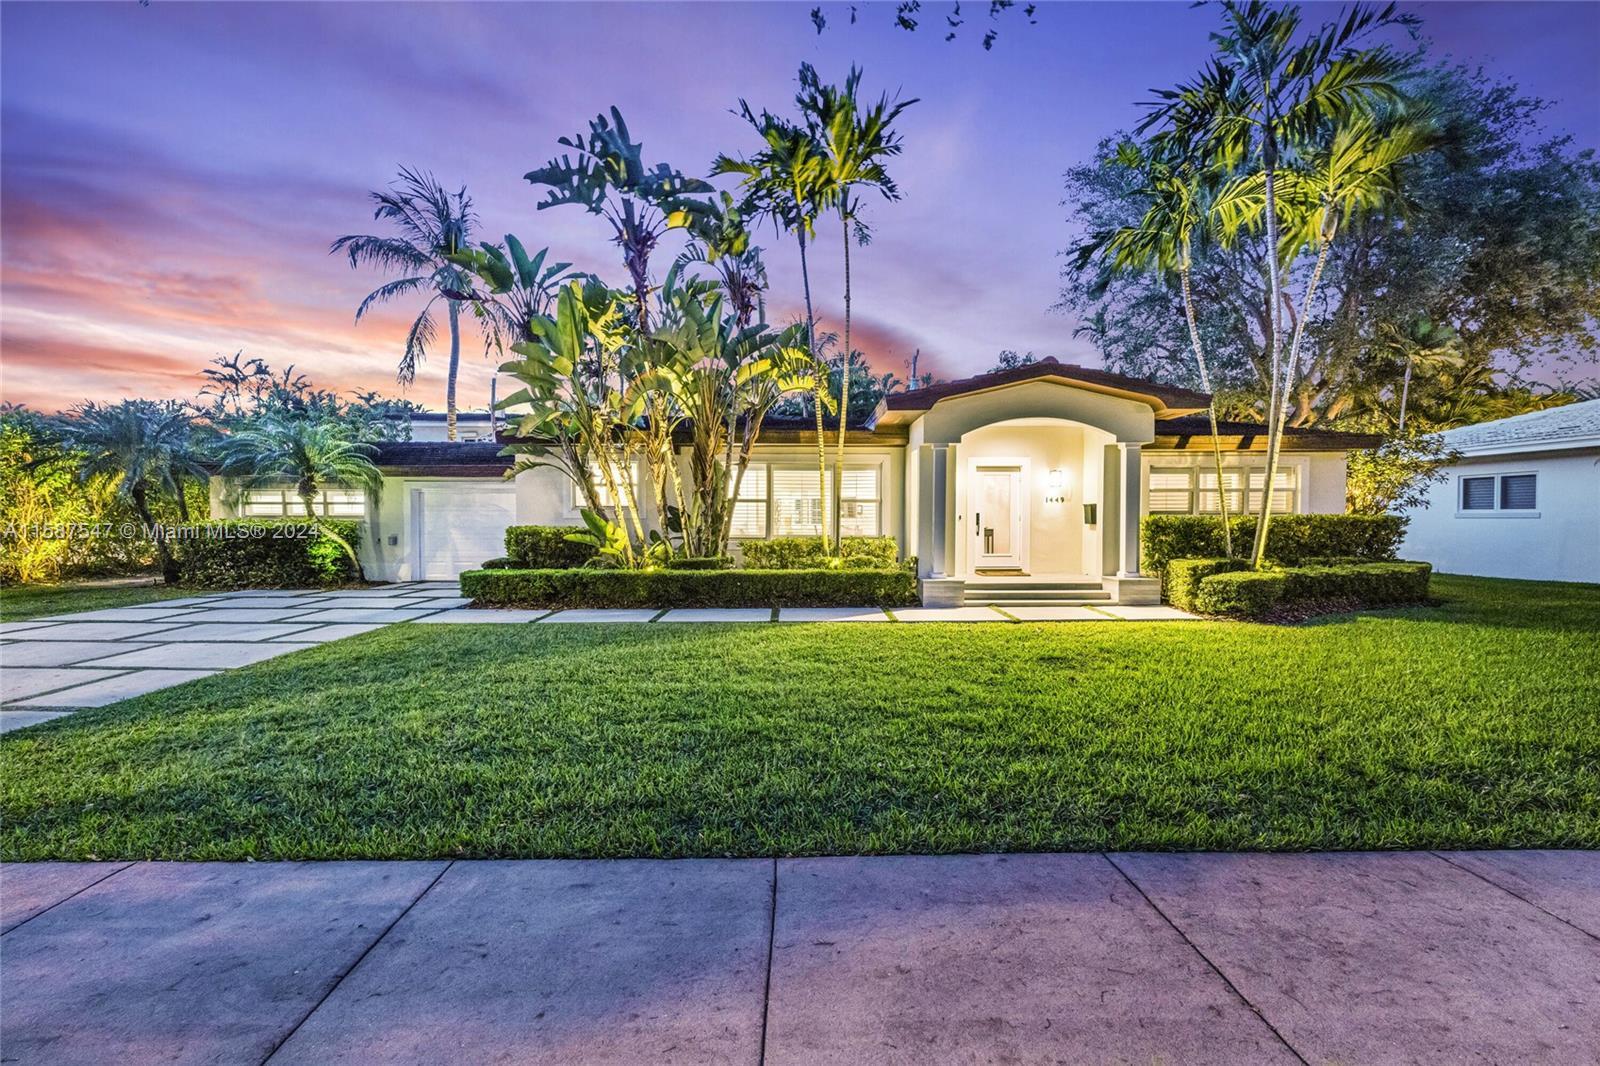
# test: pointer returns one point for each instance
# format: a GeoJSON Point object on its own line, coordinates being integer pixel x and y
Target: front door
{"type": "Point", "coordinates": [997, 518]}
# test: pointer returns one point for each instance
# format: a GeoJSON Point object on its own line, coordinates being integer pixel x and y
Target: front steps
{"type": "Point", "coordinates": [1017, 592]}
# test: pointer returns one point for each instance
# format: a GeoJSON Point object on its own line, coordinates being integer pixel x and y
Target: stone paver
{"type": "Point", "coordinates": [832, 614]}
{"type": "Point", "coordinates": [202, 656]}
{"type": "Point", "coordinates": [630, 961]}
{"type": "Point", "coordinates": [94, 631]}
{"type": "Point", "coordinates": [352, 614]}
{"type": "Point", "coordinates": [615, 615]}
{"type": "Point", "coordinates": [501, 616]}
{"type": "Point", "coordinates": [28, 888]}
{"type": "Point", "coordinates": [1026, 613]}
{"type": "Point", "coordinates": [241, 631]}
{"type": "Point", "coordinates": [10, 719]}
{"type": "Point", "coordinates": [236, 615]}
{"type": "Point", "coordinates": [1015, 958]}
{"type": "Point", "coordinates": [152, 613]}
{"type": "Point", "coordinates": [1152, 613]}
{"type": "Point", "coordinates": [435, 602]}
{"type": "Point", "coordinates": [271, 593]}
{"type": "Point", "coordinates": [17, 682]}
{"type": "Point", "coordinates": [1565, 883]}
{"type": "Point", "coordinates": [324, 634]}
{"type": "Point", "coordinates": [358, 602]}
{"type": "Point", "coordinates": [718, 614]}
{"type": "Point", "coordinates": [193, 963]}
{"type": "Point", "coordinates": [948, 614]}
{"type": "Point", "coordinates": [60, 653]}
{"type": "Point", "coordinates": [275, 603]}
{"type": "Point", "coordinates": [1396, 957]}
{"type": "Point", "coordinates": [8, 628]}
{"type": "Point", "coordinates": [125, 686]}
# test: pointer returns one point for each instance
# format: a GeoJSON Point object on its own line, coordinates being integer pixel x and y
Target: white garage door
{"type": "Point", "coordinates": [457, 527]}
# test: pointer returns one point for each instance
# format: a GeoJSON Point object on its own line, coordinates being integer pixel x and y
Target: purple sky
{"type": "Point", "coordinates": [171, 175]}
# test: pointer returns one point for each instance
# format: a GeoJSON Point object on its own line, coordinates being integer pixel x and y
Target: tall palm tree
{"type": "Point", "coordinates": [433, 225]}
{"type": "Point", "coordinates": [855, 143]}
{"type": "Point", "coordinates": [310, 452]}
{"type": "Point", "coordinates": [146, 447]}
{"type": "Point", "coordinates": [1162, 243]}
{"type": "Point", "coordinates": [1267, 93]}
{"type": "Point", "coordinates": [789, 179]}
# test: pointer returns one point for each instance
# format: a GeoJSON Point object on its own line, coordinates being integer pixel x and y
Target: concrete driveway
{"type": "Point", "coordinates": [1489, 957]}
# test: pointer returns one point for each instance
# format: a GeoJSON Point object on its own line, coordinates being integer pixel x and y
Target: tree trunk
{"type": "Point", "coordinates": [1269, 159]}
{"type": "Point", "coordinates": [1405, 394]}
{"type": "Point", "coordinates": [455, 365]}
{"type": "Point", "coordinates": [141, 507]}
{"type": "Point", "coordinates": [844, 396]}
{"type": "Point", "coordinates": [819, 393]}
{"type": "Point", "coordinates": [1211, 408]}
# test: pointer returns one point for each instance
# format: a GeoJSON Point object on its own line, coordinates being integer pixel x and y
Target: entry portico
{"type": "Point", "coordinates": [1030, 474]}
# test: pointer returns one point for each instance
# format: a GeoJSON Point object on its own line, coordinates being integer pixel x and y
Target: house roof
{"type": "Point", "coordinates": [441, 458]}
{"type": "Point", "coordinates": [1161, 397]}
{"type": "Point", "coordinates": [1194, 431]}
{"type": "Point", "coordinates": [1574, 425]}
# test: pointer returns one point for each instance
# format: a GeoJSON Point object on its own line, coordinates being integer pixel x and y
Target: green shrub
{"type": "Point", "coordinates": [1184, 577]}
{"type": "Point", "coordinates": [713, 562]}
{"type": "Point", "coordinates": [504, 562]}
{"type": "Point", "coordinates": [690, 588]}
{"type": "Point", "coordinates": [1251, 593]}
{"type": "Point", "coordinates": [546, 547]}
{"type": "Point", "coordinates": [1366, 584]}
{"type": "Point", "coordinates": [1292, 539]}
{"type": "Point", "coordinates": [265, 553]}
{"type": "Point", "coordinates": [805, 553]}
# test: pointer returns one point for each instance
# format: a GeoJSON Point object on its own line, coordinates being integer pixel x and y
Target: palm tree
{"type": "Point", "coordinates": [1422, 341]}
{"type": "Point", "coordinates": [854, 143]}
{"type": "Point", "coordinates": [311, 453]}
{"type": "Point", "coordinates": [719, 235]}
{"type": "Point", "coordinates": [789, 180]}
{"type": "Point", "coordinates": [1269, 92]}
{"type": "Point", "coordinates": [146, 447]}
{"type": "Point", "coordinates": [433, 225]}
{"type": "Point", "coordinates": [1163, 243]}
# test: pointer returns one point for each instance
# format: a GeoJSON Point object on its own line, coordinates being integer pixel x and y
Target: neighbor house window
{"type": "Point", "coordinates": [1500, 492]}
{"type": "Point", "coordinates": [281, 503]}
{"type": "Point", "coordinates": [1185, 490]}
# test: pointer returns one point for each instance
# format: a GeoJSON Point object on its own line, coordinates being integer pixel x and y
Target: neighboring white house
{"type": "Point", "coordinates": [1028, 478]}
{"type": "Point", "coordinates": [1524, 501]}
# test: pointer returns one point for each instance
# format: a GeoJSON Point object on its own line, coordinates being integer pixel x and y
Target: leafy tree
{"type": "Point", "coordinates": [239, 390]}
{"type": "Point", "coordinates": [856, 141]}
{"type": "Point", "coordinates": [309, 451]}
{"type": "Point", "coordinates": [147, 448]}
{"type": "Point", "coordinates": [719, 231]}
{"type": "Point", "coordinates": [1009, 359]}
{"type": "Point", "coordinates": [1396, 476]}
{"type": "Point", "coordinates": [434, 225]}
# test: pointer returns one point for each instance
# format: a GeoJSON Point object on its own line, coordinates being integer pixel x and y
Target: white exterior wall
{"type": "Point", "coordinates": [1558, 541]}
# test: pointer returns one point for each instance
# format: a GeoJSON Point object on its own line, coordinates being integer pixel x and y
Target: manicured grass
{"type": "Point", "coordinates": [1474, 723]}
{"type": "Point", "coordinates": [34, 601]}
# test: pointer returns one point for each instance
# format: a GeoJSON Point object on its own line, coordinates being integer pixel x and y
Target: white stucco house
{"type": "Point", "coordinates": [1027, 482]}
{"type": "Point", "coordinates": [1524, 501]}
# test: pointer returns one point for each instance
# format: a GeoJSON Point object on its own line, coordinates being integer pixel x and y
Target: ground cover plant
{"type": "Point", "coordinates": [1469, 724]}
{"type": "Point", "coordinates": [36, 601]}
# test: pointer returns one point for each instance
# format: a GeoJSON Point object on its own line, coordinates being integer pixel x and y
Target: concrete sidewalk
{"type": "Point", "coordinates": [1483, 957]}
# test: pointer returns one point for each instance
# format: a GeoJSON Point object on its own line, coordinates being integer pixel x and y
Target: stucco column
{"type": "Point", "coordinates": [938, 510]}
{"type": "Point", "coordinates": [1128, 498]}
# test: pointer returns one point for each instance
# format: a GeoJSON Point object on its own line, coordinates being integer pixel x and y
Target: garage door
{"type": "Point", "coordinates": [460, 526]}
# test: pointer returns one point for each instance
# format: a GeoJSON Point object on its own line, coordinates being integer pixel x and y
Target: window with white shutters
{"type": "Point", "coordinates": [1171, 491]}
{"type": "Point", "coordinates": [285, 503]}
{"type": "Point", "coordinates": [750, 509]}
{"type": "Point", "coordinates": [860, 502]}
{"type": "Point", "coordinates": [797, 505]}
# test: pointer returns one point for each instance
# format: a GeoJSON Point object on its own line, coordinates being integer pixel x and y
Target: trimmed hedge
{"type": "Point", "coordinates": [710, 562]}
{"type": "Point", "coordinates": [1222, 586]}
{"type": "Point", "coordinates": [805, 553]}
{"type": "Point", "coordinates": [1251, 593]}
{"type": "Point", "coordinates": [1184, 577]}
{"type": "Point", "coordinates": [547, 547]}
{"type": "Point", "coordinates": [1291, 539]}
{"type": "Point", "coordinates": [265, 553]}
{"type": "Point", "coordinates": [690, 588]}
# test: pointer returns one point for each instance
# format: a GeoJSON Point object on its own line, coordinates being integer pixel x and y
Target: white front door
{"type": "Point", "coordinates": [998, 513]}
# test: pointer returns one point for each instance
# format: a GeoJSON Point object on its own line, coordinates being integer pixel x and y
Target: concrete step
{"type": "Point", "coordinates": [1033, 586]}
{"type": "Point", "coordinates": [1082, 600]}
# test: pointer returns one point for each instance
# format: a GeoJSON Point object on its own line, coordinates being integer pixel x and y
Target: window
{"type": "Point", "coordinates": [797, 509]}
{"type": "Point", "coordinates": [1518, 492]}
{"type": "Point", "coordinates": [1477, 494]}
{"type": "Point", "coordinates": [750, 509]}
{"type": "Point", "coordinates": [1185, 490]}
{"type": "Point", "coordinates": [601, 492]}
{"type": "Point", "coordinates": [860, 502]}
{"type": "Point", "coordinates": [1171, 491]}
{"type": "Point", "coordinates": [1500, 493]}
{"type": "Point", "coordinates": [281, 503]}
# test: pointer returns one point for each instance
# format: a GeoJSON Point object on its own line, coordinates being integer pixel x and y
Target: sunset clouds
{"type": "Point", "coordinates": [171, 176]}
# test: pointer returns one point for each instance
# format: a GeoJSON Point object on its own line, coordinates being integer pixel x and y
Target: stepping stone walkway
{"type": "Point", "coordinates": [55, 665]}
{"type": "Point", "coordinates": [62, 663]}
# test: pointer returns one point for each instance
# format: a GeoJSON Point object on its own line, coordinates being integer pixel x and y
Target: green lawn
{"type": "Point", "coordinates": [1475, 723]}
{"type": "Point", "coordinates": [34, 601]}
